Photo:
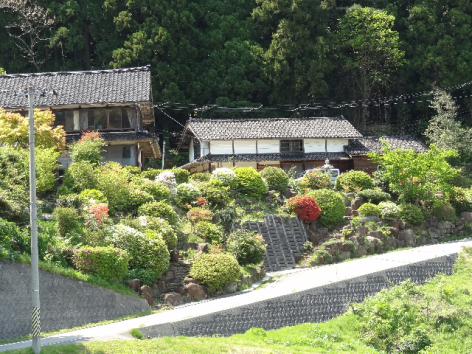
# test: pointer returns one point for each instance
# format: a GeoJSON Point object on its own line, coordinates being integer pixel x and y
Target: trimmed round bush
{"type": "Point", "coordinates": [461, 199]}
{"type": "Point", "coordinates": [157, 190]}
{"type": "Point", "coordinates": [226, 176]}
{"type": "Point", "coordinates": [216, 194]}
{"type": "Point", "coordinates": [275, 178]}
{"type": "Point", "coordinates": [67, 220]}
{"type": "Point", "coordinates": [211, 233]}
{"type": "Point", "coordinates": [151, 173]}
{"type": "Point", "coordinates": [374, 196]}
{"type": "Point", "coordinates": [315, 180]}
{"type": "Point", "coordinates": [146, 250]}
{"type": "Point", "coordinates": [93, 195]}
{"type": "Point", "coordinates": [306, 208]}
{"type": "Point", "coordinates": [200, 177]}
{"type": "Point", "coordinates": [159, 210]}
{"type": "Point", "coordinates": [388, 210]}
{"type": "Point", "coordinates": [369, 209]}
{"type": "Point", "coordinates": [331, 204]}
{"type": "Point", "coordinates": [411, 213]}
{"type": "Point", "coordinates": [158, 225]}
{"type": "Point", "coordinates": [327, 257]}
{"type": "Point", "coordinates": [246, 246]}
{"type": "Point", "coordinates": [187, 194]}
{"type": "Point", "coordinates": [249, 182]}
{"type": "Point", "coordinates": [215, 270]}
{"type": "Point", "coordinates": [79, 176]}
{"type": "Point", "coordinates": [348, 181]}
{"type": "Point", "coordinates": [181, 175]}
{"type": "Point", "coordinates": [146, 276]}
{"type": "Point", "coordinates": [444, 212]}
{"type": "Point", "coordinates": [107, 262]}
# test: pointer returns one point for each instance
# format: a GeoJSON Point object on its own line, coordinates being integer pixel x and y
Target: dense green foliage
{"type": "Point", "coordinates": [216, 194]}
{"type": "Point", "coordinates": [444, 212]}
{"type": "Point", "coordinates": [159, 210]}
{"type": "Point", "coordinates": [331, 204]}
{"type": "Point", "coordinates": [275, 178]}
{"type": "Point", "coordinates": [107, 262]}
{"type": "Point", "coordinates": [215, 270]}
{"type": "Point", "coordinates": [249, 182]}
{"type": "Point", "coordinates": [246, 246]}
{"type": "Point", "coordinates": [411, 213]}
{"type": "Point", "coordinates": [200, 177]}
{"type": "Point", "coordinates": [209, 232]}
{"type": "Point", "coordinates": [315, 180]}
{"type": "Point", "coordinates": [374, 196]}
{"type": "Point", "coordinates": [461, 199]}
{"type": "Point", "coordinates": [369, 209]}
{"type": "Point", "coordinates": [349, 181]}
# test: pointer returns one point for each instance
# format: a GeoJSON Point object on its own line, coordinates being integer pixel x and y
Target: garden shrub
{"type": "Point", "coordinates": [133, 170]}
{"type": "Point", "coordinates": [388, 210]}
{"type": "Point", "coordinates": [88, 149]}
{"type": "Point", "coordinates": [157, 190]}
{"type": "Point", "coordinates": [93, 195]}
{"type": "Point", "coordinates": [167, 178]}
{"type": "Point", "coordinates": [146, 250]}
{"type": "Point", "coordinates": [200, 177]}
{"type": "Point", "coordinates": [146, 276]}
{"type": "Point", "coordinates": [327, 257]}
{"type": "Point", "coordinates": [215, 270]}
{"type": "Point", "coordinates": [113, 183]}
{"type": "Point", "coordinates": [9, 233]}
{"type": "Point", "coordinates": [306, 208]}
{"type": "Point", "coordinates": [411, 213]}
{"type": "Point", "coordinates": [73, 200]}
{"type": "Point", "coordinates": [96, 215]}
{"type": "Point", "coordinates": [211, 233]}
{"type": "Point", "coordinates": [249, 182]}
{"type": "Point", "coordinates": [350, 181]}
{"type": "Point", "coordinates": [444, 212]}
{"type": "Point", "coordinates": [216, 194]}
{"type": "Point", "coordinates": [107, 262]}
{"type": "Point", "coordinates": [135, 198]}
{"type": "Point", "coordinates": [79, 176]}
{"type": "Point", "coordinates": [246, 246]}
{"type": "Point", "coordinates": [159, 210]}
{"type": "Point", "coordinates": [226, 176]}
{"type": "Point", "coordinates": [196, 215]}
{"type": "Point", "coordinates": [374, 196]}
{"type": "Point", "coordinates": [67, 220]}
{"type": "Point", "coordinates": [158, 225]}
{"type": "Point", "coordinates": [461, 199]}
{"type": "Point", "coordinates": [315, 180]}
{"type": "Point", "coordinates": [187, 195]}
{"type": "Point", "coordinates": [331, 205]}
{"type": "Point", "coordinates": [369, 209]}
{"type": "Point", "coordinates": [151, 173]}
{"type": "Point", "coordinates": [46, 164]}
{"type": "Point", "coordinates": [275, 178]}
{"type": "Point", "coordinates": [226, 218]}
{"type": "Point", "coordinates": [181, 175]}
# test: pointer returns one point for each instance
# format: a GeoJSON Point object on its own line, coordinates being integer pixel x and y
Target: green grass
{"type": "Point", "coordinates": [442, 309]}
{"type": "Point", "coordinates": [136, 333]}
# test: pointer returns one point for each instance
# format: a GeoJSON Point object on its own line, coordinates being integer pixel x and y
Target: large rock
{"type": "Point", "coordinates": [344, 255]}
{"type": "Point", "coordinates": [347, 202]}
{"type": "Point", "coordinates": [348, 211]}
{"type": "Point", "coordinates": [362, 230]}
{"type": "Point", "coordinates": [370, 219]}
{"type": "Point", "coordinates": [312, 237]}
{"type": "Point", "coordinates": [434, 233]}
{"type": "Point", "coordinates": [356, 203]}
{"type": "Point", "coordinates": [190, 245]}
{"type": "Point", "coordinates": [361, 251]}
{"type": "Point", "coordinates": [189, 280]}
{"type": "Point", "coordinates": [174, 255]}
{"type": "Point", "coordinates": [196, 291]}
{"type": "Point", "coordinates": [203, 247]}
{"type": "Point", "coordinates": [376, 234]}
{"type": "Point", "coordinates": [173, 299]}
{"type": "Point", "coordinates": [231, 288]}
{"type": "Point", "coordinates": [290, 192]}
{"type": "Point", "coordinates": [147, 294]}
{"type": "Point", "coordinates": [407, 237]}
{"type": "Point", "coordinates": [466, 216]}
{"type": "Point", "coordinates": [357, 240]}
{"type": "Point", "coordinates": [394, 231]}
{"type": "Point", "coordinates": [134, 284]}
{"type": "Point", "coordinates": [433, 221]}
{"type": "Point", "coordinates": [373, 241]}
{"type": "Point", "coordinates": [240, 201]}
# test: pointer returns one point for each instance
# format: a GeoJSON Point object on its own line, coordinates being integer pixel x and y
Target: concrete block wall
{"type": "Point", "coordinates": [318, 304]}
{"type": "Point", "coordinates": [65, 302]}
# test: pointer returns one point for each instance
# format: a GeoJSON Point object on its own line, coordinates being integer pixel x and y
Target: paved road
{"type": "Point", "coordinates": [293, 281]}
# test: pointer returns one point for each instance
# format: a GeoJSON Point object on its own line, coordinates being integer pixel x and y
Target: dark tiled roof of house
{"type": "Point", "coordinates": [372, 143]}
{"type": "Point", "coordinates": [112, 136]}
{"type": "Point", "coordinates": [79, 87]}
{"type": "Point", "coordinates": [270, 128]}
{"type": "Point", "coordinates": [270, 157]}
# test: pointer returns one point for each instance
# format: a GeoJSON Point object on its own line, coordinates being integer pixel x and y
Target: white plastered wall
{"type": "Point", "coordinates": [336, 145]}
{"type": "Point", "coordinates": [268, 146]}
{"type": "Point", "coordinates": [244, 146]}
{"type": "Point", "coordinates": [315, 145]}
{"type": "Point", "coordinates": [221, 147]}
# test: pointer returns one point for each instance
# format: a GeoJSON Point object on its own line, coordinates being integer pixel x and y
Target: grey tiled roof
{"type": "Point", "coordinates": [271, 128]}
{"type": "Point", "coordinates": [70, 138]}
{"type": "Point", "coordinates": [270, 157]}
{"type": "Point", "coordinates": [372, 143]}
{"type": "Point", "coordinates": [79, 87]}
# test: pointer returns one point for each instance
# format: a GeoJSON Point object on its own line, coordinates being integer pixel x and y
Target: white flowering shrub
{"type": "Point", "coordinates": [388, 210]}
{"type": "Point", "coordinates": [225, 176]}
{"type": "Point", "coordinates": [187, 193]}
{"type": "Point", "coordinates": [146, 249]}
{"type": "Point", "coordinates": [167, 178]}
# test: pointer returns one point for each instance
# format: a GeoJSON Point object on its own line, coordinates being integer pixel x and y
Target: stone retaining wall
{"type": "Point", "coordinates": [65, 302]}
{"type": "Point", "coordinates": [314, 305]}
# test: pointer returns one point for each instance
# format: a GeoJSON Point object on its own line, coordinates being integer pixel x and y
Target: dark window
{"type": "Point", "coordinates": [126, 152]}
{"type": "Point", "coordinates": [196, 149]}
{"type": "Point", "coordinates": [69, 119]}
{"type": "Point", "coordinates": [291, 146]}
{"type": "Point", "coordinates": [115, 118]}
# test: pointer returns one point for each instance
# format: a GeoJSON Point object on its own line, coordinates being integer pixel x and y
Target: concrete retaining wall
{"type": "Point", "coordinates": [314, 305]}
{"type": "Point", "coordinates": [65, 302]}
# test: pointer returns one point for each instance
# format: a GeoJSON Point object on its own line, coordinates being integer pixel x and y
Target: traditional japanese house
{"type": "Point", "coordinates": [117, 103]}
{"type": "Point", "coordinates": [298, 143]}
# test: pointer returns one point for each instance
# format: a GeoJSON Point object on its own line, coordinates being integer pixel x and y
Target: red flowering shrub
{"type": "Point", "coordinates": [305, 207]}
{"type": "Point", "coordinates": [89, 136]}
{"type": "Point", "coordinates": [96, 214]}
{"type": "Point", "coordinates": [200, 201]}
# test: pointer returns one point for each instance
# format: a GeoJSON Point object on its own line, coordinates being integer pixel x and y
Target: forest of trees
{"type": "Point", "coordinates": [252, 52]}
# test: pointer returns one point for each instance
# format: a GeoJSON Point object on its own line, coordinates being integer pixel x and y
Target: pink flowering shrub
{"type": "Point", "coordinates": [106, 262]}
